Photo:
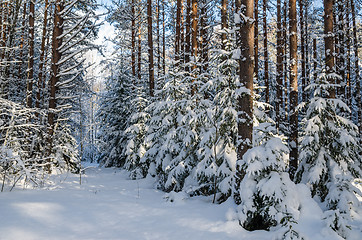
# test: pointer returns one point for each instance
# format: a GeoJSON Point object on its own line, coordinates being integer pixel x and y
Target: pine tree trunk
{"type": "Point", "coordinates": [163, 39]}
{"type": "Point", "coordinates": [256, 39]}
{"type": "Point", "coordinates": [158, 40]}
{"type": "Point", "coordinates": [293, 117]}
{"type": "Point", "coordinates": [356, 69]}
{"type": "Point", "coordinates": [348, 56]}
{"type": "Point", "coordinates": [203, 38]}
{"type": "Point", "coordinates": [56, 56]}
{"type": "Point", "coordinates": [30, 78]}
{"type": "Point", "coordinates": [178, 31]}
{"type": "Point", "coordinates": [151, 72]}
{"type": "Point", "coordinates": [133, 40]}
{"type": "Point", "coordinates": [302, 49]}
{"type": "Point", "coordinates": [279, 76]}
{"type": "Point", "coordinates": [266, 57]}
{"type": "Point", "coordinates": [245, 42]}
{"type": "Point", "coordinates": [194, 31]}
{"type": "Point", "coordinates": [315, 60]}
{"type": "Point", "coordinates": [42, 54]}
{"type": "Point", "coordinates": [329, 42]}
{"type": "Point", "coordinates": [285, 60]}
{"type": "Point", "coordinates": [224, 22]}
{"type": "Point", "coordinates": [188, 36]}
{"type": "Point", "coordinates": [139, 51]}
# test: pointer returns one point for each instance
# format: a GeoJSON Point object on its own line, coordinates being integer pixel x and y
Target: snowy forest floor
{"type": "Point", "coordinates": [110, 206]}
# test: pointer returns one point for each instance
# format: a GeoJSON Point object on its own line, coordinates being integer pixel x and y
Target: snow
{"type": "Point", "coordinates": [108, 205]}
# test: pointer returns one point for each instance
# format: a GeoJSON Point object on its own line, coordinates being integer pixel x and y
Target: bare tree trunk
{"type": "Point", "coordinates": [133, 40]}
{"type": "Point", "coordinates": [266, 57]}
{"type": "Point", "coordinates": [151, 72]}
{"type": "Point", "coordinates": [30, 78]}
{"type": "Point", "coordinates": [302, 49]}
{"type": "Point", "coordinates": [139, 51]}
{"type": "Point", "coordinates": [315, 60]}
{"type": "Point", "coordinates": [194, 41]}
{"type": "Point", "coordinates": [163, 39]}
{"type": "Point", "coordinates": [245, 42]}
{"type": "Point", "coordinates": [329, 42]}
{"type": "Point", "coordinates": [293, 119]}
{"type": "Point", "coordinates": [203, 38]}
{"type": "Point", "coordinates": [356, 69]}
{"type": "Point", "coordinates": [56, 56]}
{"type": "Point", "coordinates": [256, 39]}
{"type": "Point", "coordinates": [158, 41]}
{"type": "Point", "coordinates": [285, 59]}
{"type": "Point", "coordinates": [188, 36]}
{"type": "Point", "coordinates": [42, 54]}
{"type": "Point", "coordinates": [224, 22]}
{"type": "Point", "coordinates": [348, 43]}
{"type": "Point", "coordinates": [178, 31]}
{"type": "Point", "coordinates": [280, 55]}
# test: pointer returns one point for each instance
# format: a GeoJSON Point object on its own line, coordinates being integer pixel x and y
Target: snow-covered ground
{"type": "Point", "coordinates": [110, 206]}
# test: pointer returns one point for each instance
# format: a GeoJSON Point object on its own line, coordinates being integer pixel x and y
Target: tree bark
{"type": "Point", "coordinates": [56, 56]}
{"type": "Point", "coordinates": [133, 36]}
{"type": "Point", "coordinates": [266, 57]}
{"type": "Point", "coordinates": [178, 31]}
{"type": "Point", "coordinates": [151, 72]}
{"type": "Point", "coordinates": [302, 49]}
{"type": "Point", "coordinates": [224, 22]}
{"type": "Point", "coordinates": [30, 76]}
{"type": "Point", "coordinates": [245, 42]}
{"type": "Point", "coordinates": [188, 36]}
{"type": "Point", "coordinates": [194, 42]}
{"type": "Point", "coordinates": [280, 55]}
{"type": "Point", "coordinates": [293, 117]}
{"type": "Point", "coordinates": [356, 69]}
{"type": "Point", "coordinates": [256, 39]}
{"type": "Point", "coordinates": [329, 43]}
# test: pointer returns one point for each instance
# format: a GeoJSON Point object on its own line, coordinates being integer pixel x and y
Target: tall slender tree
{"type": "Point", "coordinates": [293, 118]}
{"type": "Point", "coordinates": [245, 43]}
{"type": "Point", "coordinates": [151, 71]}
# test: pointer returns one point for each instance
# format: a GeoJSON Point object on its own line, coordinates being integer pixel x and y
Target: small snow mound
{"type": "Point", "coordinates": [176, 197]}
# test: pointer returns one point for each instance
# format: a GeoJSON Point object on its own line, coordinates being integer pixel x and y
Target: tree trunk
{"type": "Point", "coordinates": [293, 117]}
{"type": "Point", "coordinates": [356, 69]}
{"type": "Point", "coordinates": [139, 51]}
{"type": "Point", "coordinates": [56, 56]}
{"type": "Point", "coordinates": [266, 57]}
{"type": "Point", "coordinates": [348, 56]}
{"type": "Point", "coordinates": [224, 22]}
{"type": "Point", "coordinates": [245, 42]}
{"type": "Point", "coordinates": [203, 38]}
{"type": "Point", "coordinates": [133, 40]}
{"type": "Point", "coordinates": [30, 78]}
{"type": "Point", "coordinates": [42, 54]}
{"type": "Point", "coordinates": [329, 43]}
{"type": "Point", "coordinates": [194, 42]}
{"type": "Point", "coordinates": [151, 72]}
{"type": "Point", "coordinates": [158, 40]}
{"type": "Point", "coordinates": [280, 55]}
{"type": "Point", "coordinates": [188, 36]}
{"type": "Point", "coordinates": [256, 40]}
{"type": "Point", "coordinates": [163, 38]}
{"type": "Point", "coordinates": [302, 49]}
{"type": "Point", "coordinates": [178, 31]}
